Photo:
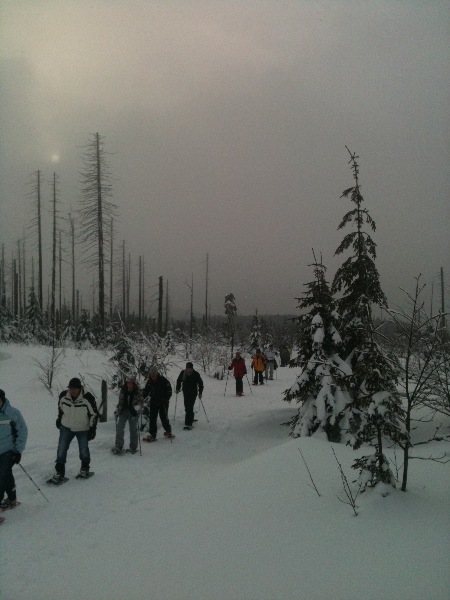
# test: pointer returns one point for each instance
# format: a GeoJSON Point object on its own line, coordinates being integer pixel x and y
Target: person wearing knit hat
{"type": "Point", "coordinates": [239, 370]}
{"type": "Point", "coordinates": [77, 417]}
{"type": "Point", "coordinates": [127, 411]}
{"type": "Point", "coordinates": [191, 383]}
{"type": "Point", "coordinates": [158, 391]}
{"type": "Point", "coordinates": [259, 366]}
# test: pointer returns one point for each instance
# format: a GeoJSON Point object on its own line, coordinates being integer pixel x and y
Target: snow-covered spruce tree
{"type": "Point", "coordinates": [8, 325]}
{"type": "Point", "coordinates": [255, 334]}
{"type": "Point", "coordinates": [84, 336]}
{"type": "Point", "coordinates": [357, 279]}
{"type": "Point", "coordinates": [319, 387]}
{"type": "Point", "coordinates": [33, 323]}
{"type": "Point", "coordinates": [123, 360]}
{"type": "Point", "coordinates": [375, 408]}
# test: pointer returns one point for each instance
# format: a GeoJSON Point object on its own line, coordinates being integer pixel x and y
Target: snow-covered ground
{"type": "Point", "coordinates": [224, 512]}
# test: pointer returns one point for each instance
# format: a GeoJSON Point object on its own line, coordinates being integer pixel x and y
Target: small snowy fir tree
{"type": "Point", "coordinates": [8, 325]}
{"type": "Point", "coordinates": [319, 386]}
{"type": "Point", "coordinates": [123, 359]}
{"type": "Point", "coordinates": [255, 335]}
{"type": "Point", "coordinates": [33, 323]}
{"type": "Point", "coordinates": [375, 407]}
{"type": "Point", "coordinates": [84, 331]}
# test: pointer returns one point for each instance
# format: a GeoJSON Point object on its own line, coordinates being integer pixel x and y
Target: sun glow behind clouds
{"type": "Point", "coordinates": [55, 158]}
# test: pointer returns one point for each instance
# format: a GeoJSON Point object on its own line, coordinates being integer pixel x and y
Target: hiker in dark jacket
{"type": "Point", "coordinates": [127, 411]}
{"type": "Point", "coordinates": [191, 383]}
{"type": "Point", "coordinates": [158, 392]}
{"type": "Point", "coordinates": [13, 438]}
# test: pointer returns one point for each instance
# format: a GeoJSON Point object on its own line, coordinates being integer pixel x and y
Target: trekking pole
{"type": "Point", "coordinates": [251, 391]}
{"type": "Point", "coordinates": [139, 433]}
{"type": "Point", "coordinates": [226, 383]}
{"type": "Point", "coordinates": [203, 406]}
{"type": "Point", "coordinates": [33, 482]}
{"type": "Point", "coordinates": [175, 413]}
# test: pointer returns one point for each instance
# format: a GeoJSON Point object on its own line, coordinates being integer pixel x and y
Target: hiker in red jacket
{"type": "Point", "coordinates": [239, 370]}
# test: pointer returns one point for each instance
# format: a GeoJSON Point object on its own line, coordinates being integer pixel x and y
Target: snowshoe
{"type": "Point", "coordinates": [117, 450]}
{"type": "Point", "coordinates": [57, 479]}
{"type": "Point", "coordinates": [130, 451]}
{"type": "Point", "coordinates": [168, 435]}
{"type": "Point", "coordinates": [149, 438]}
{"type": "Point", "coordinates": [187, 427]}
{"type": "Point", "coordinates": [84, 474]}
{"type": "Point", "coordinates": [9, 504]}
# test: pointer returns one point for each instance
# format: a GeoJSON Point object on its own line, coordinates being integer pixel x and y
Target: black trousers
{"type": "Point", "coordinates": [258, 375]}
{"type": "Point", "coordinates": [159, 409]}
{"type": "Point", "coordinates": [189, 401]}
{"type": "Point", "coordinates": [239, 385]}
{"type": "Point", "coordinates": [7, 483]}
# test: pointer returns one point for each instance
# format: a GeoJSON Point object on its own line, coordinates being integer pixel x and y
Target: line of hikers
{"type": "Point", "coordinates": [263, 366]}
{"type": "Point", "coordinates": [78, 416]}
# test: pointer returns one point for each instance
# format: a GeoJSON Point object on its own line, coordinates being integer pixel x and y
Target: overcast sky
{"type": "Point", "coordinates": [228, 122]}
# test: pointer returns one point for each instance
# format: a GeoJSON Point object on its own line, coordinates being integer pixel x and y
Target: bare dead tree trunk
{"type": "Point", "coordinates": [111, 271]}
{"type": "Point", "coordinates": [124, 279]}
{"type": "Point", "coordinates": [95, 210]}
{"type": "Point", "coordinates": [140, 292]}
{"type": "Point", "coordinates": [19, 280]}
{"type": "Point", "coordinates": [72, 236]}
{"type": "Point", "coordinates": [143, 289]}
{"type": "Point", "coordinates": [101, 256]}
{"type": "Point", "coordinates": [128, 285]}
{"type": "Point", "coordinates": [206, 290]}
{"type": "Point", "coordinates": [2, 280]}
{"type": "Point", "coordinates": [53, 288]}
{"type": "Point", "coordinates": [15, 290]}
{"type": "Point", "coordinates": [39, 225]}
{"type": "Point", "coordinates": [166, 321]}
{"type": "Point", "coordinates": [160, 305]}
{"type": "Point", "coordinates": [60, 280]}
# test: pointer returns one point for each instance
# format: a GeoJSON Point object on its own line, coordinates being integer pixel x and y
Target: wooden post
{"type": "Point", "coordinates": [104, 403]}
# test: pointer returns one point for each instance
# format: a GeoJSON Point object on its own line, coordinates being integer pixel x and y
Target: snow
{"type": "Point", "coordinates": [224, 512]}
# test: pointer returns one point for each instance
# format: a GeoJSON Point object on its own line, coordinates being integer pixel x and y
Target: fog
{"type": "Point", "coordinates": [227, 123]}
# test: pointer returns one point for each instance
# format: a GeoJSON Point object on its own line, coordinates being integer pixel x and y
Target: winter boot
{"type": "Point", "coordinates": [8, 504]}
{"type": "Point", "coordinates": [57, 478]}
{"type": "Point", "coordinates": [84, 473]}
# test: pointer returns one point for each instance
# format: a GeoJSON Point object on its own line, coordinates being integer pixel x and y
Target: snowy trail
{"type": "Point", "coordinates": [225, 512]}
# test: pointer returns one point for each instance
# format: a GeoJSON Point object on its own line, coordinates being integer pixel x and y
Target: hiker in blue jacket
{"type": "Point", "coordinates": [13, 438]}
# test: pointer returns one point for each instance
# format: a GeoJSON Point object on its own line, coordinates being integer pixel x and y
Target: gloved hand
{"type": "Point", "coordinates": [91, 433]}
{"type": "Point", "coordinates": [16, 457]}
{"type": "Point", "coordinates": [58, 423]}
